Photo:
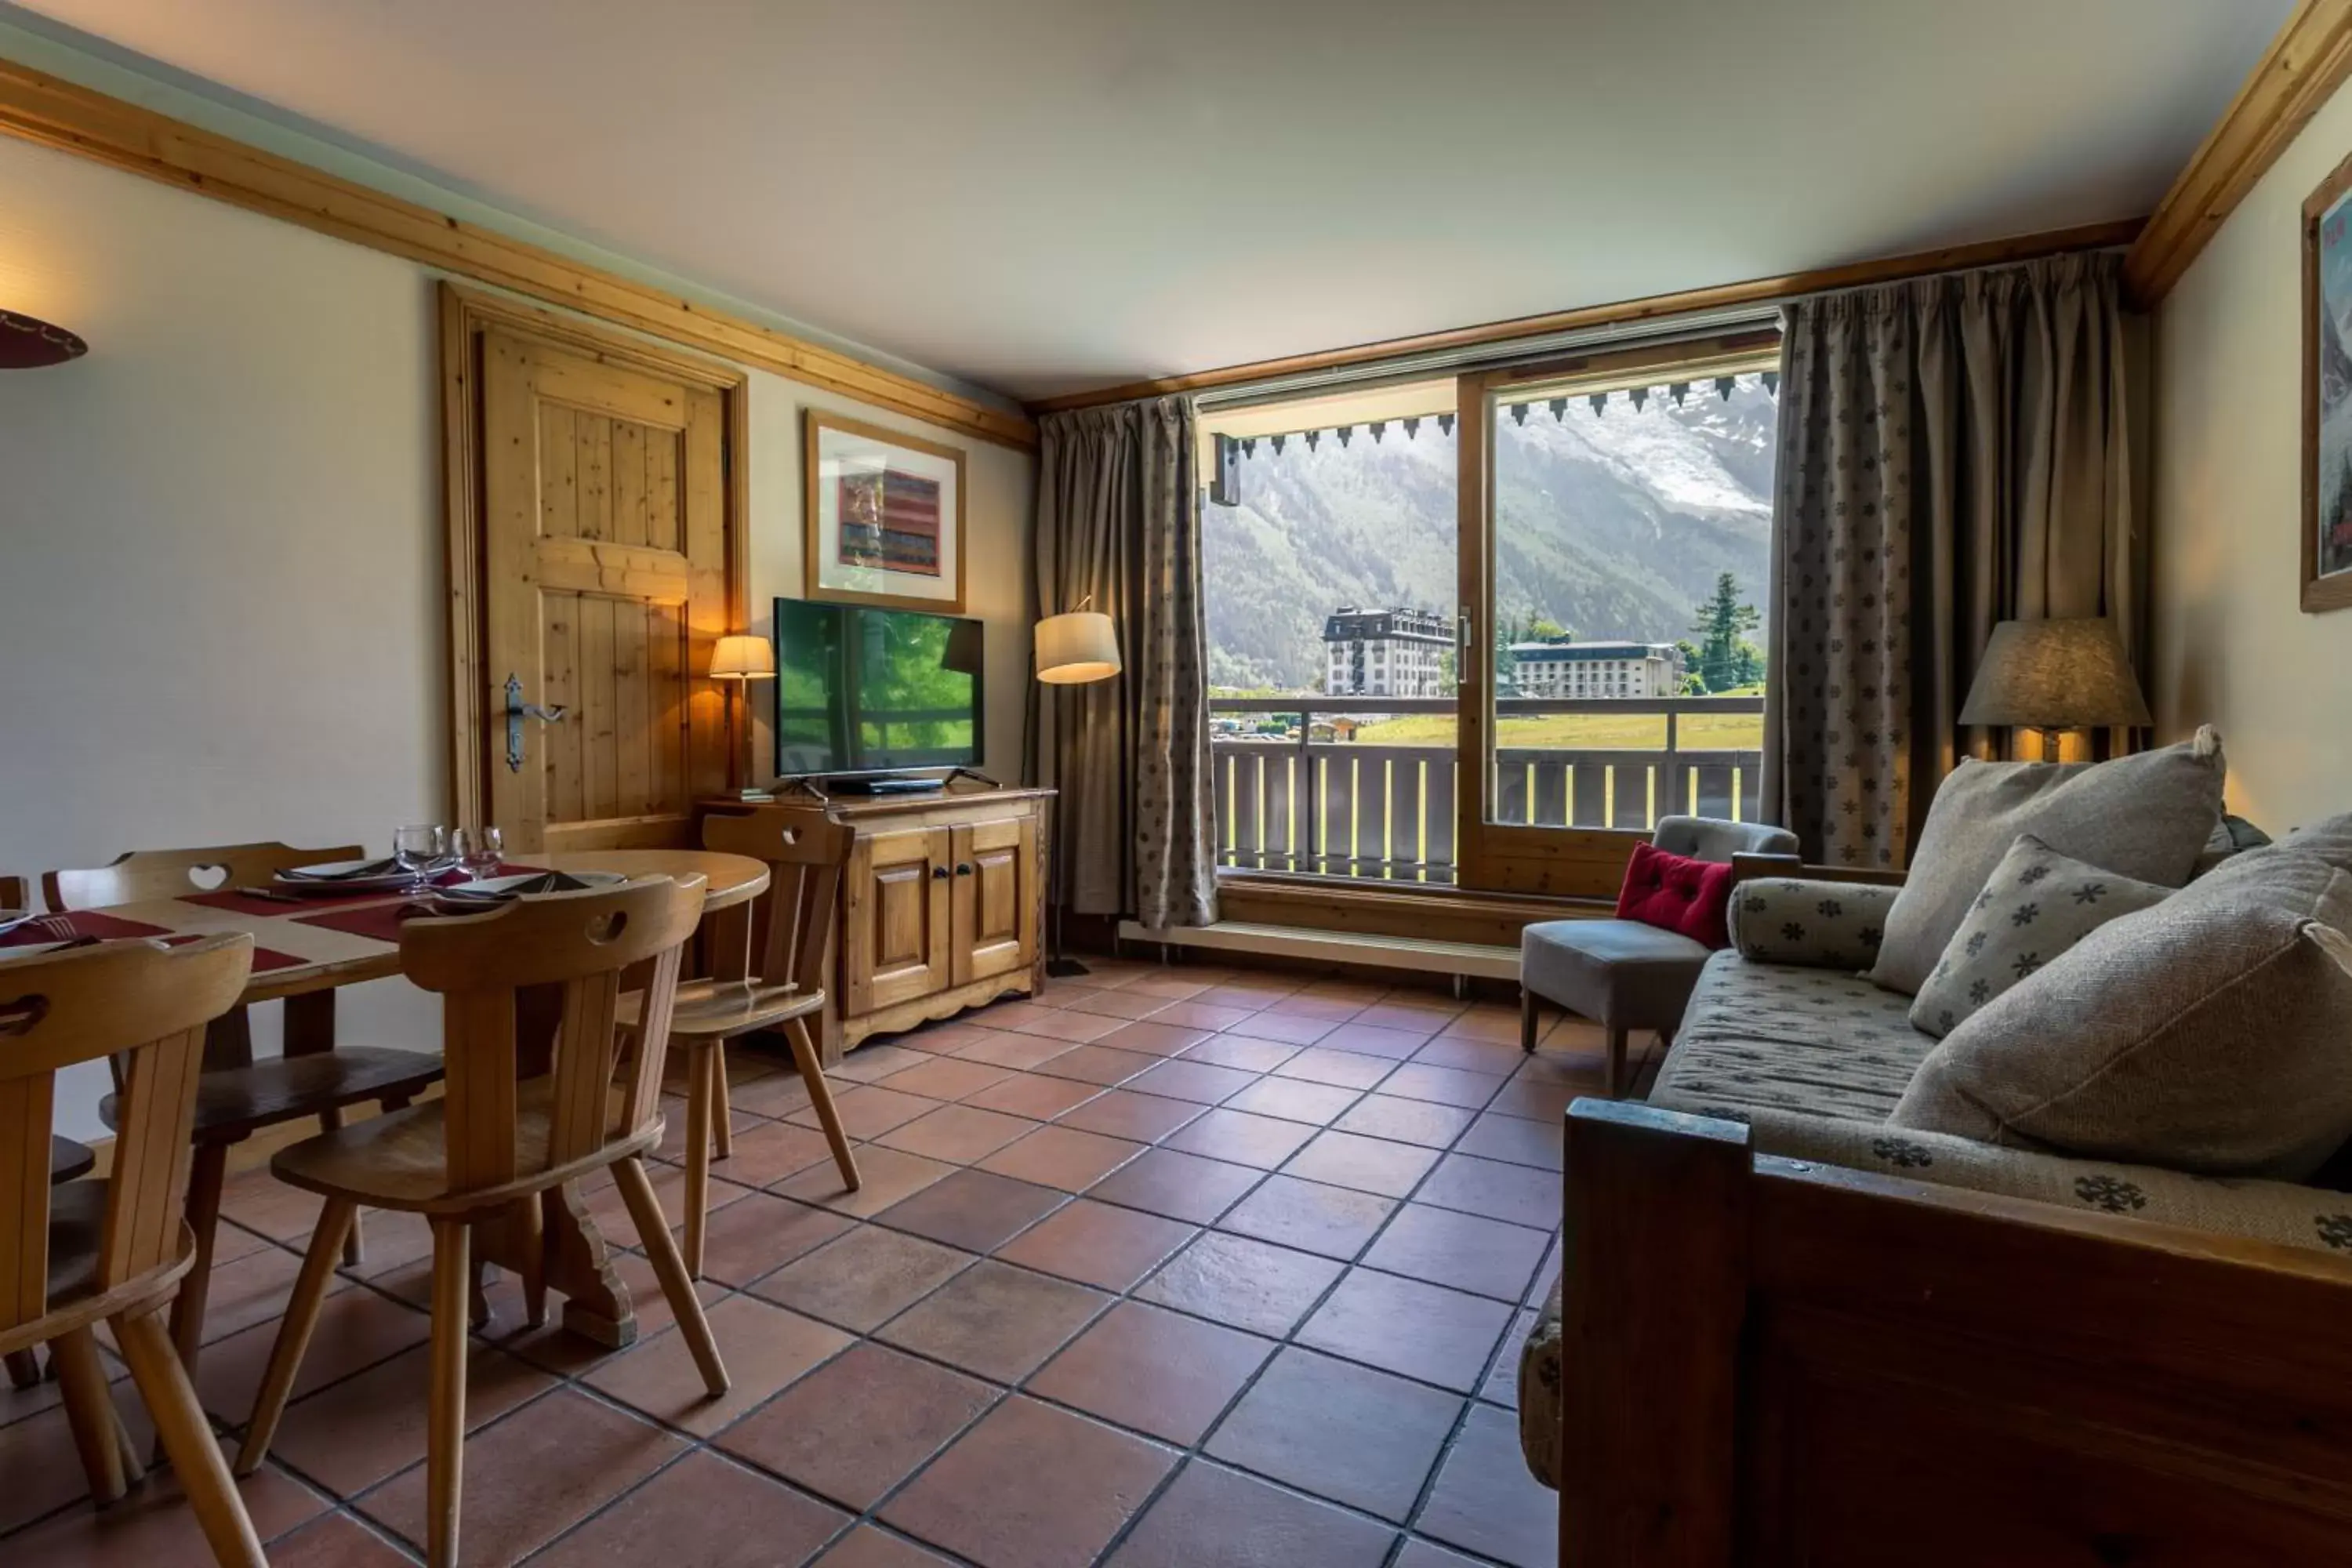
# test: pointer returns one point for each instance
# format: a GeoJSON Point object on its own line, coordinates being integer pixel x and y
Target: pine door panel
{"type": "Point", "coordinates": [896, 915]}
{"type": "Point", "coordinates": [996, 898]}
{"type": "Point", "coordinates": [607, 542]}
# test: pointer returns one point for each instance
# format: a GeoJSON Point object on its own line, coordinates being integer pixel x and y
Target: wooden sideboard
{"type": "Point", "coordinates": [943, 905]}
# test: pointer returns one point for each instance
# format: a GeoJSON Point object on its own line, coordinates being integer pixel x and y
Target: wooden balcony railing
{"type": "Point", "coordinates": [1377, 809]}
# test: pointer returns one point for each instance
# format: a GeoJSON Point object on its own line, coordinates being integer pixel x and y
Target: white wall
{"type": "Point", "coordinates": [221, 564]}
{"type": "Point", "coordinates": [2232, 648]}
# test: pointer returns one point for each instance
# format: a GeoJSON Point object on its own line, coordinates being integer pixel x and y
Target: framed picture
{"type": "Point", "coordinates": [882, 517]}
{"type": "Point", "coordinates": [2326, 520]}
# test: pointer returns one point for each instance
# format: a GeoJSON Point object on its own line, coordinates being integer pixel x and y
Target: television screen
{"type": "Point", "coordinates": [861, 691]}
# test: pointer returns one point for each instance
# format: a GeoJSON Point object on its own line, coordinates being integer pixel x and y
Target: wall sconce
{"type": "Point", "coordinates": [27, 344]}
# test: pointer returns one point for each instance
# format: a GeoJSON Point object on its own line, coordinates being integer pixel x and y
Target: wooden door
{"type": "Point", "coordinates": [605, 551]}
{"type": "Point", "coordinates": [995, 898]}
{"type": "Point", "coordinates": [895, 917]}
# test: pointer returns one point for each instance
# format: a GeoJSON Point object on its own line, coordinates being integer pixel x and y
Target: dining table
{"type": "Point", "coordinates": [308, 945]}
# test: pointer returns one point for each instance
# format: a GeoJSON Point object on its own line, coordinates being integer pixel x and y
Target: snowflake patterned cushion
{"type": "Point", "coordinates": [2146, 817]}
{"type": "Point", "coordinates": [2211, 1033]}
{"type": "Point", "coordinates": [2036, 905]}
{"type": "Point", "coordinates": [1822, 925]}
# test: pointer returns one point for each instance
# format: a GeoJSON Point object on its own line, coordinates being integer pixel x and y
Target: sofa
{"type": "Point", "coordinates": [1785, 1036]}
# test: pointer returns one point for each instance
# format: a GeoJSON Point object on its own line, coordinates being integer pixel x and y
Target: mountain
{"type": "Point", "coordinates": [1614, 525]}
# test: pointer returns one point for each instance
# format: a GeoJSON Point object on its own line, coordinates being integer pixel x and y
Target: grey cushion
{"type": "Point", "coordinates": [1771, 1036]}
{"type": "Point", "coordinates": [1713, 839]}
{"type": "Point", "coordinates": [1621, 971]}
{"type": "Point", "coordinates": [1823, 925]}
{"type": "Point", "coordinates": [2036, 905]}
{"type": "Point", "coordinates": [2330, 840]}
{"type": "Point", "coordinates": [2211, 1033]}
{"type": "Point", "coordinates": [2145, 816]}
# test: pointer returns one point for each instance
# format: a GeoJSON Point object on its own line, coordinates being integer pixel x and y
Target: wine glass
{"type": "Point", "coordinates": [480, 850]}
{"type": "Point", "coordinates": [419, 850]}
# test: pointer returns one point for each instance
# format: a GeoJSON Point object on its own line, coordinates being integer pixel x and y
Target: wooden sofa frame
{"type": "Point", "coordinates": [1769, 1361]}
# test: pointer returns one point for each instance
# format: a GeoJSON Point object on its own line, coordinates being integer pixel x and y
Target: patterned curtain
{"type": "Point", "coordinates": [1118, 520]}
{"type": "Point", "coordinates": [1953, 453]}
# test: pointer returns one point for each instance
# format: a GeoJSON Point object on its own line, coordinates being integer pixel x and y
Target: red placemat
{"type": "Point", "coordinates": [379, 922]}
{"type": "Point", "coordinates": [82, 923]}
{"type": "Point", "coordinates": [263, 957]}
{"type": "Point", "coordinates": [237, 903]}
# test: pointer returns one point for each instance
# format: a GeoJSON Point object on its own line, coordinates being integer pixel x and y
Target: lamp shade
{"type": "Point", "coordinates": [1076, 647]}
{"type": "Point", "coordinates": [2055, 675]}
{"type": "Point", "coordinates": [742, 657]}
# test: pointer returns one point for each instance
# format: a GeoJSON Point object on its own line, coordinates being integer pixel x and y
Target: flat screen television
{"type": "Point", "coordinates": [863, 690]}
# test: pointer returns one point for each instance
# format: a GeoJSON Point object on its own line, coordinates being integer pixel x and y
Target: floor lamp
{"type": "Point", "coordinates": [1073, 648]}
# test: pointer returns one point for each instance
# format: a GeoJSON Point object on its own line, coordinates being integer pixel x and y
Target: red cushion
{"type": "Point", "coordinates": [1675, 892]}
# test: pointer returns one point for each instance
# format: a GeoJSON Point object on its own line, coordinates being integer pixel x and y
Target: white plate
{"type": "Point", "coordinates": [504, 887]}
{"type": "Point", "coordinates": [321, 878]}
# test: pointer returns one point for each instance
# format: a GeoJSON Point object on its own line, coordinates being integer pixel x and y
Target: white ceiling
{"type": "Point", "coordinates": [1040, 195]}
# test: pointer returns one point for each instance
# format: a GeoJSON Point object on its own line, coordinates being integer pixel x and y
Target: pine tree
{"type": "Point", "coordinates": [1721, 628]}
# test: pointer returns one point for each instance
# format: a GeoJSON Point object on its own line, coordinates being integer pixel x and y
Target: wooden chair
{"type": "Point", "coordinates": [791, 926]}
{"type": "Point", "coordinates": [115, 1250]}
{"type": "Point", "coordinates": [24, 1371]}
{"type": "Point", "coordinates": [240, 1095]}
{"type": "Point", "coordinates": [519, 1119]}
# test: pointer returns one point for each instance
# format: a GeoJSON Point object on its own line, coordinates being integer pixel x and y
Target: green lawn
{"type": "Point", "coordinates": [1583, 732]}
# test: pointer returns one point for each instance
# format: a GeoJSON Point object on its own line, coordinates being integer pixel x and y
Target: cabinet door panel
{"type": "Point", "coordinates": [896, 912]}
{"type": "Point", "coordinates": [995, 898]}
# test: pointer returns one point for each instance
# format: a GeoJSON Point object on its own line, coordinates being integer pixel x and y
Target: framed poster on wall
{"type": "Point", "coordinates": [2326, 514]}
{"type": "Point", "coordinates": [882, 517]}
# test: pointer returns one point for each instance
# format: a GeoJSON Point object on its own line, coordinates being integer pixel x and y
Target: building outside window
{"type": "Point", "coordinates": [1393, 652]}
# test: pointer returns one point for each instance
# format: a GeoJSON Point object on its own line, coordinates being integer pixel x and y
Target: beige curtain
{"type": "Point", "coordinates": [1953, 453]}
{"type": "Point", "coordinates": [1118, 520]}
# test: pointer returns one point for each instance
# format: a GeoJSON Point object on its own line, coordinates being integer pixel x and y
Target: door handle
{"type": "Point", "coordinates": [963, 869]}
{"type": "Point", "coordinates": [516, 711]}
{"type": "Point", "coordinates": [939, 873]}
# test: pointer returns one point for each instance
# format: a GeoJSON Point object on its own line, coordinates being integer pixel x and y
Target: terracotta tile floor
{"type": "Point", "coordinates": [1259, 1306]}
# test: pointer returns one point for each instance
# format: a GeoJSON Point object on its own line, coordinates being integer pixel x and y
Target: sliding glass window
{"type": "Point", "coordinates": [1482, 629]}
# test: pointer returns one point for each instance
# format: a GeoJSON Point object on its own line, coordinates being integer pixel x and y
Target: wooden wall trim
{"type": "Point", "coordinates": [1756, 291]}
{"type": "Point", "coordinates": [2304, 65]}
{"type": "Point", "coordinates": [57, 113]}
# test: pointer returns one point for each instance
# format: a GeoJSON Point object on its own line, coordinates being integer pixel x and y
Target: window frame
{"type": "Point", "coordinates": [1520, 858]}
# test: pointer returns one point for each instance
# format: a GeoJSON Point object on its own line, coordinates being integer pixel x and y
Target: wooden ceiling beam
{"type": "Point", "coordinates": [1754, 291]}
{"type": "Point", "coordinates": [60, 114]}
{"type": "Point", "coordinates": [2304, 65]}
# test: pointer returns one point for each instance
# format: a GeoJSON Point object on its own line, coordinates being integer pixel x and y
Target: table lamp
{"type": "Point", "coordinates": [1073, 648]}
{"type": "Point", "coordinates": [2053, 675]}
{"type": "Point", "coordinates": [737, 660]}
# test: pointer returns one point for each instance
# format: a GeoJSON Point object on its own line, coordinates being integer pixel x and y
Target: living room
{"type": "Point", "coordinates": [1271, 786]}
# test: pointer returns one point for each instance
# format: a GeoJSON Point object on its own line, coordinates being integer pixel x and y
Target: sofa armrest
{"type": "Point", "coordinates": [2283, 1212]}
{"type": "Point", "coordinates": [1820, 924]}
{"type": "Point", "coordinates": [1746, 865]}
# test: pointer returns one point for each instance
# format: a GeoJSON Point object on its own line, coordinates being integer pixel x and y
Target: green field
{"type": "Point", "coordinates": [1583, 732]}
